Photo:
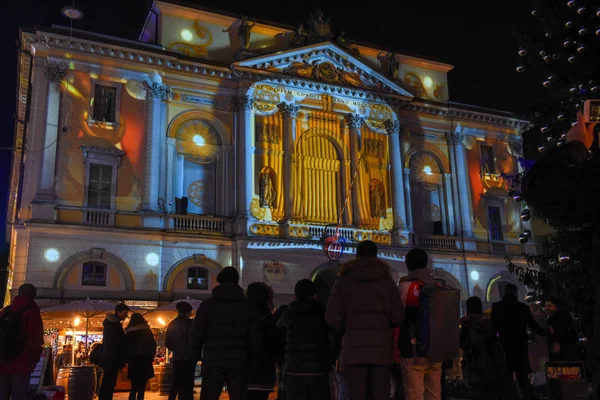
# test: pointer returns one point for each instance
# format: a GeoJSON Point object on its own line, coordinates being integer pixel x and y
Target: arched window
{"type": "Point", "coordinates": [93, 274]}
{"type": "Point", "coordinates": [426, 192]}
{"type": "Point", "coordinates": [197, 278]}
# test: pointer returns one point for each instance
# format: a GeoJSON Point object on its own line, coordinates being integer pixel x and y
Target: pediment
{"type": "Point", "coordinates": [324, 62]}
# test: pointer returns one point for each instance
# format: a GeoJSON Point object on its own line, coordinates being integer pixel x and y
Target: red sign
{"type": "Point", "coordinates": [334, 247]}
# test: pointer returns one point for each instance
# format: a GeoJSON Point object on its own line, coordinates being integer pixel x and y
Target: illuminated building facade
{"type": "Point", "coordinates": [216, 141]}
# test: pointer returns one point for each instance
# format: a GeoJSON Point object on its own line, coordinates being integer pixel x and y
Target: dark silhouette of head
{"type": "Point", "coordinates": [228, 275]}
{"type": "Point", "coordinates": [121, 311]}
{"type": "Point", "coordinates": [257, 294]}
{"type": "Point", "coordinates": [137, 319]}
{"type": "Point", "coordinates": [366, 248]}
{"type": "Point", "coordinates": [183, 308]}
{"type": "Point", "coordinates": [305, 289]}
{"type": "Point", "coordinates": [474, 306]}
{"type": "Point", "coordinates": [511, 290]}
{"type": "Point", "coordinates": [416, 259]}
{"type": "Point", "coordinates": [27, 290]}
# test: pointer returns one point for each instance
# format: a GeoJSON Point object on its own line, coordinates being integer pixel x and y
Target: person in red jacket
{"type": "Point", "coordinates": [15, 373]}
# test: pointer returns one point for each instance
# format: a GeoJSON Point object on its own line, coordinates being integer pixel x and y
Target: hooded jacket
{"type": "Point", "coordinates": [363, 307]}
{"type": "Point", "coordinates": [113, 343]}
{"type": "Point", "coordinates": [226, 330]}
{"type": "Point", "coordinates": [141, 348]}
{"type": "Point", "coordinates": [33, 329]}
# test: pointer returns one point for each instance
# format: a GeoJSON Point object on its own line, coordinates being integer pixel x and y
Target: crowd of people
{"type": "Point", "coordinates": [353, 347]}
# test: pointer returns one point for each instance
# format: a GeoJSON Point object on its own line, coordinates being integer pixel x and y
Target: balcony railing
{"type": "Point", "coordinates": [435, 242]}
{"type": "Point", "coordinates": [317, 232]}
{"type": "Point", "coordinates": [498, 248]}
{"type": "Point", "coordinates": [99, 217]}
{"type": "Point", "coordinates": [198, 223]}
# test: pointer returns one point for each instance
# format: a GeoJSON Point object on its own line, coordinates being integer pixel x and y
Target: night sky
{"type": "Point", "coordinates": [476, 39]}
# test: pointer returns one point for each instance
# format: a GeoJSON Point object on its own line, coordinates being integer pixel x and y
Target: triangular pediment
{"type": "Point", "coordinates": [324, 62]}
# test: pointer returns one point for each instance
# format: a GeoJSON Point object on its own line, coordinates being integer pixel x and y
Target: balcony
{"type": "Point", "coordinates": [197, 224]}
{"type": "Point", "coordinates": [99, 217]}
{"type": "Point", "coordinates": [435, 242]}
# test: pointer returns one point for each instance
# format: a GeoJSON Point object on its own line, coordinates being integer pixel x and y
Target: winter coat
{"type": "Point", "coordinates": [227, 331]}
{"type": "Point", "coordinates": [141, 348]}
{"type": "Point", "coordinates": [363, 307]}
{"type": "Point", "coordinates": [565, 335]}
{"type": "Point", "coordinates": [33, 330]}
{"type": "Point", "coordinates": [511, 319]}
{"type": "Point", "coordinates": [483, 358]}
{"type": "Point", "coordinates": [264, 374]}
{"type": "Point", "coordinates": [113, 343]}
{"type": "Point", "coordinates": [178, 338]}
{"type": "Point", "coordinates": [409, 295]}
{"type": "Point", "coordinates": [308, 347]}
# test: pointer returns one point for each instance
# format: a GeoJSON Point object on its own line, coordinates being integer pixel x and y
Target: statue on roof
{"type": "Point", "coordinates": [390, 65]}
{"type": "Point", "coordinates": [244, 30]}
{"type": "Point", "coordinates": [319, 26]}
{"type": "Point", "coordinates": [341, 41]}
{"type": "Point", "coordinates": [300, 36]}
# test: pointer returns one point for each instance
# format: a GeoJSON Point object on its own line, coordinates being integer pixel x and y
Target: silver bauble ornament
{"type": "Point", "coordinates": [572, 89]}
{"type": "Point", "coordinates": [564, 258]}
{"type": "Point", "coordinates": [527, 232]}
{"type": "Point", "coordinates": [598, 13]}
{"type": "Point", "coordinates": [582, 31]}
{"type": "Point", "coordinates": [523, 239]}
{"type": "Point", "coordinates": [525, 215]}
{"type": "Point", "coordinates": [546, 84]}
{"type": "Point", "coordinates": [543, 53]}
{"type": "Point", "coordinates": [568, 24]}
{"type": "Point", "coordinates": [572, 59]}
{"type": "Point", "coordinates": [598, 32]}
{"type": "Point", "coordinates": [595, 88]}
{"type": "Point", "coordinates": [518, 197]}
{"type": "Point", "coordinates": [571, 3]}
{"type": "Point", "coordinates": [550, 139]}
{"type": "Point", "coordinates": [560, 143]}
{"type": "Point", "coordinates": [548, 34]}
{"type": "Point", "coordinates": [520, 68]}
{"type": "Point", "coordinates": [580, 49]}
{"type": "Point", "coordinates": [567, 43]}
{"type": "Point", "coordinates": [555, 56]}
{"type": "Point", "coordinates": [546, 58]}
{"type": "Point", "coordinates": [580, 10]}
{"type": "Point", "coordinates": [544, 129]}
{"type": "Point", "coordinates": [574, 123]}
{"type": "Point", "coordinates": [541, 148]}
{"type": "Point", "coordinates": [522, 52]}
{"type": "Point", "coordinates": [561, 117]}
{"type": "Point", "coordinates": [534, 12]}
{"type": "Point", "coordinates": [563, 135]}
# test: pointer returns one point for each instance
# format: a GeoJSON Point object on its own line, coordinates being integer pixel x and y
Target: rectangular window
{"type": "Point", "coordinates": [94, 274]}
{"type": "Point", "coordinates": [105, 103]}
{"type": "Point", "coordinates": [487, 159]}
{"type": "Point", "coordinates": [100, 185]}
{"type": "Point", "coordinates": [197, 278]}
{"type": "Point", "coordinates": [495, 223]}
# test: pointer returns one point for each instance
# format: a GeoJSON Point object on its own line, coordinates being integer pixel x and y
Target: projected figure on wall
{"type": "Point", "coordinates": [268, 195]}
{"type": "Point", "coordinates": [377, 200]}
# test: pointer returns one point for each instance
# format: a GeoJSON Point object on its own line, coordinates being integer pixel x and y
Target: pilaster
{"type": "Point", "coordinates": [458, 162]}
{"type": "Point", "coordinates": [354, 123]}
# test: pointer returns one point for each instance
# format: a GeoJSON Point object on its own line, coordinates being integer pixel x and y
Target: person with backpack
{"type": "Point", "coordinates": [177, 341]}
{"type": "Point", "coordinates": [141, 347]}
{"type": "Point", "coordinates": [21, 340]}
{"type": "Point", "coordinates": [483, 356]}
{"type": "Point", "coordinates": [429, 309]}
{"type": "Point", "coordinates": [363, 307]}
{"type": "Point", "coordinates": [114, 350]}
{"type": "Point", "coordinates": [308, 351]}
{"type": "Point", "coordinates": [562, 343]}
{"type": "Point", "coordinates": [511, 319]}
{"type": "Point", "coordinates": [226, 331]}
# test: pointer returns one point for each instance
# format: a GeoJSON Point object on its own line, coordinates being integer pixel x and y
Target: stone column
{"type": "Point", "coordinates": [458, 162]}
{"type": "Point", "coordinates": [290, 113]}
{"type": "Point", "coordinates": [450, 204]}
{"type": "Point", "coordinates": [156, 94]}
{"type": "Point", "coordinates": [171, 152]}
{"type": "Point", "coordinates": [354, 122]}
{"type": "Point", "coordinates": [400, 216]}
{"type": "Point", "coordinates": [243, 106]}
{"type": "Point", "coordinates": [54, 74]}
{"type": "Point", "coordinates": [408, 201]}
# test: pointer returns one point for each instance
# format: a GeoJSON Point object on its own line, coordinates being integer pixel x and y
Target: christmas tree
{"type": "Point", "coordinates": [560, 50]}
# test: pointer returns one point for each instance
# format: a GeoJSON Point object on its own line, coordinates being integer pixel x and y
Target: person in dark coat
{"type": "Point", "coordinates": [113, 350]}
{"type": "Point", "coordinates": [308, 351]}
{"type": "Point", "coordinates": [562, 343]}
{"type": "Point", "coordinates": [226, 331]}
{"type": "Point", "coordinates": [280, 361]}
{"type": "Point", "coordinates": [511, 319]}
{"type": "Point", "coordinates": [262, 379]}
{"type": "Point", "coordinates": [184, 361]}
{"type": "Point", "coordinates": [15, 373]}
{"type": "Point", "coordinates": [483, 363]}
{"type": "Point", "coordinates": [564, 188]}
{"type": "Point", "coordinates": [141, 348]}
{"type": "Point", "coordinates": [363, 307]}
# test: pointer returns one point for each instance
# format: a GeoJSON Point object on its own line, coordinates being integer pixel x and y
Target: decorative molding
{"type": "Point", "coordinates": [157, 90]}
{"type": "Point", "coordinates": [392, 127]}
{"type": "Point", "coordinates": [91, 152]}
{"type": "Point", "coordinates": [354, 121]}
{"type": "Point", "coordinates": [243, 102]}
{"type": "Point", "coordinates": [454, 138]}
{"type": "Point", "coordinates": [289, 110]}
{"type": "Point", "coordinates": [97, 253]}
{"type": "Point", "coordinates": [199, 259]}
{"type": "Point", "coordinates": [54, 72]}
{"type": "Point", "coordinates": [515, 147]}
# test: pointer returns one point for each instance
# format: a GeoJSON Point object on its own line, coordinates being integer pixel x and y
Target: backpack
{"type": "Point", "coordinates": [436, 330]}
{"type": "Point", "coordinates": [483, 359]}
{"type": "Point", "coordinates": [12, 337]}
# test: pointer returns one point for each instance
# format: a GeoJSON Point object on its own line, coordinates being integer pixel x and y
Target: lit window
{"type": "Point", "coordinates": [494, 223]}
{"type": "Point", "coordinates": [94, 274]}
{"type": "Point", "coordinates": [105, 103]}
{"type": "Point", "coordinates": [100, 186]}
{"type": "Point", "coordinates": [487, 159]}
{"type": "Point", "coordinates": [197, 278]}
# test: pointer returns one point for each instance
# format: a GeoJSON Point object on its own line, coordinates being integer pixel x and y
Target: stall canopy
{"type": "Point", "coordinates": [163, 314]}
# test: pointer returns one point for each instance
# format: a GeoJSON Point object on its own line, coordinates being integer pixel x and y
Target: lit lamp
{"type": "Point", "coordinates": [428, 82]}
{"type": "Point", "coordinates": [427, 170]}
{"type": "Point", "coordinates": [72, 12]}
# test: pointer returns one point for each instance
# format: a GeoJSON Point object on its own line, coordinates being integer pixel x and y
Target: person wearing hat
{"type": "Point", "coordinates": [226, 332]}
{"type": "Point", "coordinates": [114, 345]}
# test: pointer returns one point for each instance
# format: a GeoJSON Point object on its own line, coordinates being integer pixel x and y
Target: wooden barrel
{"type": "Point", "coordinates": [164, 378]}
{"type": "Point", "coordinates": [62, 378]}
{"type": "Point", "coordinates": [82, 383]}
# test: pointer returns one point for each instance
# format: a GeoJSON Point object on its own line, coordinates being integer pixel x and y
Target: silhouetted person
{"type": "Point", "coordinates": [184, 360]}
{"type": "Point", "coordinates": [141, 348]}
{"type": "Point", "coordinates": [114, 350]}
